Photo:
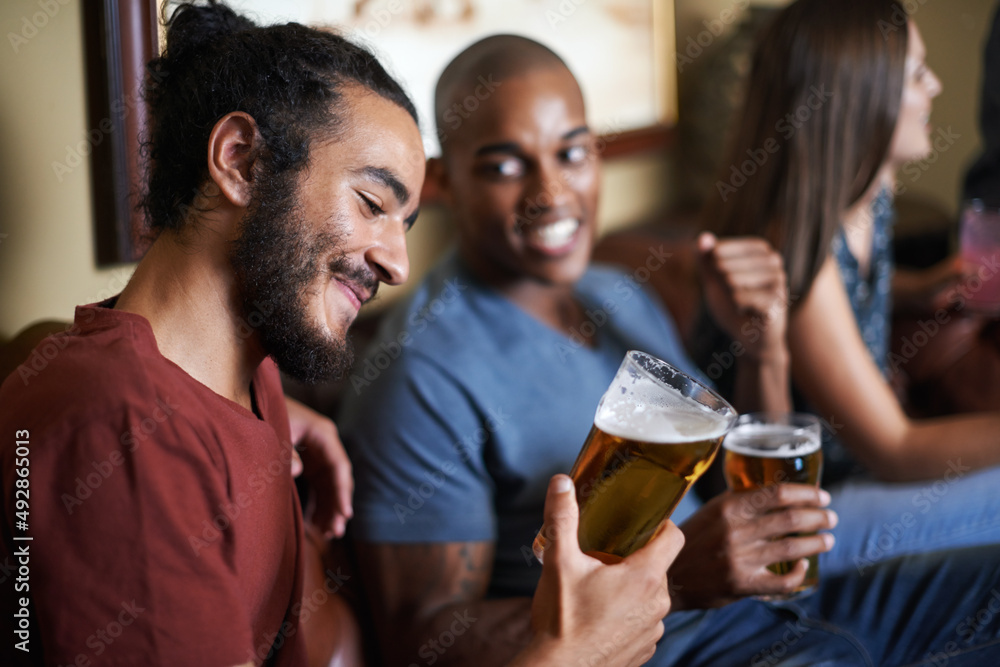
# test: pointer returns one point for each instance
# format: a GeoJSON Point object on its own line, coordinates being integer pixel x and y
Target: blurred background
{"type": "Point", "coordinates": [663, 147]}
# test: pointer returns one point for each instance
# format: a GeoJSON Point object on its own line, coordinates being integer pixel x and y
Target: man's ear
{"type": "Point", "coordinates": [232, 146]}
{"type": "Point", "coordinates": [437, 178]}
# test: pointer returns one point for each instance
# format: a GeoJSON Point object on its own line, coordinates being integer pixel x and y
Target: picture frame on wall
{"type": "Point", "coordinates": [120, 37]}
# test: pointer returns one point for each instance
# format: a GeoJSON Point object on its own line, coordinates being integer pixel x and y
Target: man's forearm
{"type": "Point", "coordinates": [486, 633]}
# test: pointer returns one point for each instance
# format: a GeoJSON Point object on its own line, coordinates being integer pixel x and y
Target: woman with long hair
{"type": "Point", "coordinates": [839, 98]}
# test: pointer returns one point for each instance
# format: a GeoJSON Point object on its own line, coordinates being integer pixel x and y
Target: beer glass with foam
{"type": "Point", "coordinates": [655, 432]}
{"type": "Point", "coordinates": [764, 450]}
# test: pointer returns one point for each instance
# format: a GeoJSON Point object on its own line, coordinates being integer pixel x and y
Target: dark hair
{"type": "Point", "coordinates": [287, 77]}
{"type": "Point", "coordinates": [850, 52]}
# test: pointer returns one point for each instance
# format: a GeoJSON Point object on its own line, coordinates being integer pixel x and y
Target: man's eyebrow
{"type": "Point", "coordinates": [512, 148]}
{"type": "Point", "coordinates": [412, 218]}
{"type": "Point", "coordinates": [506, 147]}
{"type": "Point", "coordinates": [387, 178]}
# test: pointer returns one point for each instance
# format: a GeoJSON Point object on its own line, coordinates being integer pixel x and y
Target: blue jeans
{"type": "Point", "coordinates": [879, 521]}
{"type": "Point", "coordinates": [931, 609]}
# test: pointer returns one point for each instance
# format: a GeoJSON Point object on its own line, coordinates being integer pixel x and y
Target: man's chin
{"type": "Point", "coordinates": [315, 363]}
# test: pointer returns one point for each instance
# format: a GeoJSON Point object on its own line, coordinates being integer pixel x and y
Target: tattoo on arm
{"type": "Point", "coordinates": [421, 592]}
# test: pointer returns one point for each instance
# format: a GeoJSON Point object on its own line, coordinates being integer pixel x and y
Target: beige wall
{"type": "Point", "coordinates": [955, 33]}
{"type": "Point", "coordinates": [46, 247]}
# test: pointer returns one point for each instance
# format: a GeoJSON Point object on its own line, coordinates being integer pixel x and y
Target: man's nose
{"type": "Point", "coordinates": [387, 256]}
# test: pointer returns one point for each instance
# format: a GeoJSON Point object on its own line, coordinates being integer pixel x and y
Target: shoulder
{"type": "Point", "coordinates": [79, 373]}
{"type": "Point", "coordinates": [100, 387]}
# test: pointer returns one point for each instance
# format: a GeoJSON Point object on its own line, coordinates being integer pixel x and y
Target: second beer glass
{"type": "Point", "coordinates": [655, 432]}
{"type": "Point", "coordinates": [767, 449]}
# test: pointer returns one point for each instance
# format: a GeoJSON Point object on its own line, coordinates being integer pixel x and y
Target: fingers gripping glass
{"type": "Point", "coordinates": [655, 432]}
{"type": "Point", "coordinates": [766, 449]}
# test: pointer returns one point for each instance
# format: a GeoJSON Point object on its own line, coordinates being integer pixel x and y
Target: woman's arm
{"type": "Point", "coordinates": [833, 368]}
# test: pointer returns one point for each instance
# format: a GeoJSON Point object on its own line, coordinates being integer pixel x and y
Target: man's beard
{"type": "Point", "coordinates": [276, 263]}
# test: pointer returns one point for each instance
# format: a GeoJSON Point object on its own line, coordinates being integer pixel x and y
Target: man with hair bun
{"type": "Point", "coordinates": [164, 527]}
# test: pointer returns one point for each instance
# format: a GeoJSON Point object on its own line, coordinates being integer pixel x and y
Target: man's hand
{"type": "Point", "coordinates": [584, 607]}
{"type": "Point", "coordinates": [735, 536]}
{"type": "Point", "coordinates": [326, 467]}
{"type": "Point", "coordinates": [746, 291]}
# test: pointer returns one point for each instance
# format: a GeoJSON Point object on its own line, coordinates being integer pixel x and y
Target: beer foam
{"type": "Point", "coordinates": [647, 411]}
{"type": "Point", "coordinates": [772, 440]}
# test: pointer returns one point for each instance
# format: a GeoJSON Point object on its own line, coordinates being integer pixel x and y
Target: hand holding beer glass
{"type": "Point", "coordinates": [655, 432]}
{"type": "Point", "coordinates": [764, 450]}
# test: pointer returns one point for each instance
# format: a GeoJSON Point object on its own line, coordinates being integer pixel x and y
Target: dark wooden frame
{"type": "Point", "coordinates": [120, 37]}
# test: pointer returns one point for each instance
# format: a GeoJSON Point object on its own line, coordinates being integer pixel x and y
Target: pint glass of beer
{"type": "Point", "coordinates": [655, 432]}
{"type": "Point", "coordinates": [765, 449]}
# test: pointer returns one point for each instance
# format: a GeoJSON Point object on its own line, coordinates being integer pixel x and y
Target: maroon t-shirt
{"type": "Point", "coordinates": [164, 522]}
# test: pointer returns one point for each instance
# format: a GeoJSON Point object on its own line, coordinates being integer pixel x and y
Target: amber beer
{"type": "Point", "coordinates": [764, 450]}
{"type": "Point", "coordinates": [656, 431]}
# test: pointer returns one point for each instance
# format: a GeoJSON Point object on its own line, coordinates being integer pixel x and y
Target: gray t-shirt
{"type": "Point", "coordinates": [464, 407]}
